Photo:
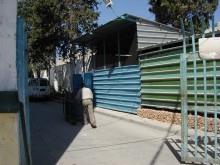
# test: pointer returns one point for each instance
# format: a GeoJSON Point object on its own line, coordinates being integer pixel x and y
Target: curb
{"type": "Point", "coordinates": [161, 126]}
{"type": "Point", "coordinates": [158, 125]}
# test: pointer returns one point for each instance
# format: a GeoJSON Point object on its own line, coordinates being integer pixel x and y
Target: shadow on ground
{"type": "Point", "coordinates": [175, 147]}
{"type": "Point", "coordinates": [51, 135]}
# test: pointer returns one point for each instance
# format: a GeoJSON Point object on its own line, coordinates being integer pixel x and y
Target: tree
{"type": "Point", "coordinates": [52, 25]}
{"type": "Point", "coordinates": [170, 11]}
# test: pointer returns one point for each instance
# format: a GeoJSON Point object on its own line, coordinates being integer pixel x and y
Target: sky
{"type": "Point", "coordinates": [137, 8]}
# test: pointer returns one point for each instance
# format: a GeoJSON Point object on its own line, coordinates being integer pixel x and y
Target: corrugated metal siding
{"type": "Point", "coordinates": [200, 82]}
{"type": "Point", "coordinates": [160, 79]}
{"type": "Point", "coordinates": [118, 88]}
{"type": "Point", "coordinates": [150, 34]}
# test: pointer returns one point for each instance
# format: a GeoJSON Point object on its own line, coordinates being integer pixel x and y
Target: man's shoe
{"type": "Point", "coordinates": [94, 126]}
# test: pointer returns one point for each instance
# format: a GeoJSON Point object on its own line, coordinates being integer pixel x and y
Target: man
{"type": "Point", "coordinates": [86, 96]}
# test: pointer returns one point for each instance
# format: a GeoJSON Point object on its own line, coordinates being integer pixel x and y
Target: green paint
{"type": "Point", "coordinates": [156, 103]}
{"type": "Point", "coordinates": [161, 82]}
{"type": "Point", "coordinates": [160, 72]}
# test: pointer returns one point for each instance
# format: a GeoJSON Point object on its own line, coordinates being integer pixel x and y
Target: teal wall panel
{"type": "Point", "coordinates": [23, 94]}
{"type": "Point", "coordinates": [118, 88]}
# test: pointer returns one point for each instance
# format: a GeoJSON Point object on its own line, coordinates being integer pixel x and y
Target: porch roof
{"type": "Point", "coordinates": [149, 33]}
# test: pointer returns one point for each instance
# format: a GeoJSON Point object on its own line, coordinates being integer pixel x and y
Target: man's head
{"type": "Point", "coordinates": [83, 85]}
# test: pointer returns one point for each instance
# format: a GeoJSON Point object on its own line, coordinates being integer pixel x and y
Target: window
{"type": "Point", "coordinates": [43, 83]}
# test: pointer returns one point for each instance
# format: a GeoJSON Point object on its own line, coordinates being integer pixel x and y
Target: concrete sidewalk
{"type": "Point", "coordinates": [166, 127]}
{"type": "Point", "coordinates": [172, 128]}
{"type": "Point", "coordinates": [162, 126]}
{"type": "Point", "coordinates": [121, 139]}
{"type": "Point", "coordinates": [117, 140]}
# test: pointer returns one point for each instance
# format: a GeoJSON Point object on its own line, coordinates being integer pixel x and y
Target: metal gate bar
{"type": "Point", "coordinates": [195, 87]}
{"type": "Point", "coordinates": [192, 149]}
{"type": "Point", "coordinates": [205, 95]}
{"type": "Point", "coordinates": [215, 94]}
{"type": "Point", "coordinates": [184, 131]}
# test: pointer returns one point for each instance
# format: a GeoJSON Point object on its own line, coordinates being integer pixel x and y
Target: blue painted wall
{"type": "Point", "coordinates": [118, 88]}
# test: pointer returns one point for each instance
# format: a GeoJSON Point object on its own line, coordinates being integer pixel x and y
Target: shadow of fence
{"type": "Point", "coordinates": [175, 147]}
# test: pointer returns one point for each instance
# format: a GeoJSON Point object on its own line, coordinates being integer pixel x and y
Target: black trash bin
{"type": "Point", "coordinates": [72, 108]}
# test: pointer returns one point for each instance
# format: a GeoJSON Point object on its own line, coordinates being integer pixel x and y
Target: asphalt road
{"type": "Point", "coordinates": [114, 142]}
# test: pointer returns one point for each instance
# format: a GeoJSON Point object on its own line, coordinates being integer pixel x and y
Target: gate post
{"type": "Point", "coordinates": [183, 71]}
{"type": "Point", "coordinates": [184, 114]}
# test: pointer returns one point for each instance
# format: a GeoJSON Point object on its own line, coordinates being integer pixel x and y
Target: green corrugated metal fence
{"type": "Point", "coordinates": [160, 78]}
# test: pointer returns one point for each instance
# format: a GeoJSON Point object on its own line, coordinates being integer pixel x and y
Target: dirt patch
{"type": "Point", "coordinates": [175, 118]}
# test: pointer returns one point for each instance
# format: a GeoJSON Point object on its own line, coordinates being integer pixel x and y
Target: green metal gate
{"type": "Point", "coordinates": [200, 94]}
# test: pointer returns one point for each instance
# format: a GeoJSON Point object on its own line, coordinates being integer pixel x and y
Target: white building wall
{"type": "Point", "coordinates": [89, 62]}
{"type": "Point", "coordinates": [8, 72]}
{"type": "Point", "coordinates": [9, 138]}
{"type": "Point", "coordinates": [61, 76]}
{"type": "Point", "coordinates": [43, 74]}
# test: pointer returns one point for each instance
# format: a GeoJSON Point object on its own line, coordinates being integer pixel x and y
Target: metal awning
{"type": "Point", "coordinates": [149, 33]}
{"type": "Point", "coordinates": [104, 31]}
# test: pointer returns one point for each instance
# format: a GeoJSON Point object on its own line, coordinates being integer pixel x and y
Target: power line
{"type": "Point", "coordinates": [113, 11]}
